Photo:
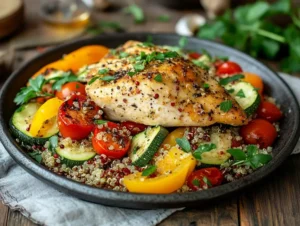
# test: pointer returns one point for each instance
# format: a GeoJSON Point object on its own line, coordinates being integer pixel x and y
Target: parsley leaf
{"type": "Point", "coordinates": [184, 144]}
{"type": "Point", "coordinates": [201, 64]}
{"type": "Point", "coordinates": [100, 122]}
{"type": "Point", "coordinates": [103, 26]}
{"type": "Point", "coordinates": [225, 81]}
{"type": "Point", "coordinates": [203, 148]}
{"type": "Point", "coordinates": [136, 12]}
{"type": "Point", "coordinates": [53, 142]}
{"type": "Point", "coordinates": [93, 80]}
{"type": "Point", "coordinates": [37, 83]}
{"type": "Point", "coordinates": [196, 182]}
{"type": "Point", "coordinates": [149, 170]}
{"type": "Point", "coordinates": [103, 71]}
{"type": "Point", "coordinates": [164, 18]}
{"type": "Point", "coordinates": [237, 153]}
{"type": "Point", "coordinates": [182, 42]}
{"type": "Point", "coordinates": [36, 156]}
{"type": "Point", "coordinates": [240, 94]}
{"type": "Point", "coordinates": [60, 81]}
{"type": "Point", "coordinates": [123, 54]}
{"type": "Point", "coordinates": [108, 78]}
{"type": "Point", "coordinates": [226, 105]}
{"type": "Point", "coordinates": [207, 182]}
{"type": "Point", "coordinates": [158, 78]}
{"type": "Point", "coordinates": [205, 86]}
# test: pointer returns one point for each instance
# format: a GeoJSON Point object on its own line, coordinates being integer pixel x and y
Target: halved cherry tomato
{"type": "Point", "coordinates": [197, 179]}
{"type": "Point", "coordinates": [194, 55]}
{"type": "Point", "coordinates": [236, 143]}
{"type": "Point", "coordinates": [228, 68]}
{"type": "Point", "coordinates": [75, 117]}
{"type": "Point", "coordinates": [133, 127]}
{"type": "Point", "coordinates": [254, 80]}
{"type": "Point", "coordinates": [109, 139]}
{"type": "Point", "coordinates": [269, 111]}
{"type": "Point", "coordinates": [259, 131]}
{"type": "Point", "coordinates": [69, 89]}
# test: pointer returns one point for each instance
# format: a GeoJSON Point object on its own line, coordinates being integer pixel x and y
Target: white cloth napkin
{"type": "Point", "coordinates": [44, 205]}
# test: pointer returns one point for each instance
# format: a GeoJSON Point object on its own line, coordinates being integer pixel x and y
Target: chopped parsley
{"type": "Point", "coordinates": [225, 81]}
{"type": "Point", "coordinates": [149, 170]}
{"type": "Point", "coordinates": [103, 71]}
{"type": "Point", "coordinates": [230, 90]}
{"type": "Point", "coordinates": [137, 13]}
{"type": "Point", "coordinates": [36, 156]}
{"type": "Point", "coordinates": [205, 86]}
{"type": "Point", "coordinates": [203, 148]}
{"type": "Point", "coordinates": [226, 105]}
{"type": "Point", "coordinates": [139, 67]}
{"type": "Point", "coordinates": [100, 122]}
{"type": "Point", "coordinates": [108, 78]}
{"type": "Point", "coordinates": [196, 182]}
{"type": "Point", "coordinates": [123, 54]}
{"type": "Point", "coordinates": [201, 64]}
{"type": "Point", "coordinates": [53, 142]}
{"type": "Point", "coordinates": [164, 18]}
{"type": "Point", "coordinates": [184, 144]}
{"type": "Point", "coordinates": [207, 182]}
{"type": "Point", "coordinates": [60, 81]}
{"type": "Point", "coordinates": [158, 78]}
{"type": "Point", "coordinates": [182, 42]}
{"type": "Point", "coordinates": [240, 94]}
{"type": "Point", "coordinates": [93, 80]}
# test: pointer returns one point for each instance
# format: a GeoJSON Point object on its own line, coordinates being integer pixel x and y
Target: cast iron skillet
{"type": "Point", "coordinates": [275, 87]}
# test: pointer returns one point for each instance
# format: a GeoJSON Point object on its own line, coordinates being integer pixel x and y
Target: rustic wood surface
{"type": "Point", "coordinates": [274, 201]}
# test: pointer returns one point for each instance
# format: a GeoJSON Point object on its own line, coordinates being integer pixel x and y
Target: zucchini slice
{"type": "Point", "coordinates": [246, 96]}
{"type": "Point", "coordinates": [20, 122]}
{"type": "Point", "coordinates": [145, 144]}
{"type": "Point", "coordinates": [73, 154]}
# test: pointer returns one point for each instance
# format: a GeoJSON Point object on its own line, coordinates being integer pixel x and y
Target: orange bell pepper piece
{"type": "Point", "coordinates": [254, 80]}
{"type": "Point", "coordinates": [76, 59]}
{"type": "Point", "coordinates": [173, 171]}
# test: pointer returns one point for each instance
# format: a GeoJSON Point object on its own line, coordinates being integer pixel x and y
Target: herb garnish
{"type": "Point", "coordinates": [201, 64]}
{"type": "Point", "coordinates": [240, 94]}
{"type": "Point", "coordinates": [164, 18]}
{"type": "Point", "coordinates": [103, 71]}
{"type": "Point", "coordinates": [196, 182]}
{"type": "Point", "coordinates": [32, 91]}
{"type": "Point", "coordinates": [149, 170]}
{"type": "Point", "coordinates": [226, 105]}
{"type": "Point", "coordinates": [123, 54]}
{"type": "Point", "coordinates": [102, 26]}
{"type": "Point", "coordinates": [158, 78]}
{"type": "Point", "coordinates": [137, 13]}
{"type": "Point", "coordinates": [53, 142]}
{"type": "Point", "coordinates": [225, 81]}
{"type": "Point", "coordinates": [182, 42]}
{"type": "Point", "coordinates": [184, 144]}
{"type": "Point", "coordinates": [203, 148]}
{"type": "Point", "coordinates": [60, 81]}
{"type": "Point", "coordinates": [251, 157]}
{"type": "Point", "coordinates": [108, 78]}
{"type": "Point", "coordinates": [205, 86]}
{"type": "Point", "coordinates": [230, 90]}
{"type": "Point", "coordinates": [36, 156]}
{"type": "Point", "coordinates": [207, 182]}
{"type": "Point", "coordinates": [100, 122]}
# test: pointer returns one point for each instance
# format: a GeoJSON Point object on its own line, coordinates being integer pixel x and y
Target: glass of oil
{"type": "Point", "coordinates": [65, 12]}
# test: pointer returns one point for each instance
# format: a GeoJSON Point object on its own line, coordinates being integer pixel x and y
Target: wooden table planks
{"type": "Point", "coordinates": [274, 201]}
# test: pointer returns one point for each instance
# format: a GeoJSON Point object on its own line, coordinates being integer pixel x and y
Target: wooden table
{"type": "Point", "coordinates": [274, 201]}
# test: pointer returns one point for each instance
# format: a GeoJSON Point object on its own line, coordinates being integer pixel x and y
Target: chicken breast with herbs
{"type": "Point", "coordinates": [154, 86]}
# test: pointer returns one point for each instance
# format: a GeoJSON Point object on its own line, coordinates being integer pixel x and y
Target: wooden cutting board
{"type": "Point", "coordinates": [11, 16]}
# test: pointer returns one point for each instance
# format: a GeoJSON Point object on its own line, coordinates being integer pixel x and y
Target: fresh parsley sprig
{"type": "Point", "coordinates": [151, 169]}
{"type": "Point", "coordinates": [137, 13]}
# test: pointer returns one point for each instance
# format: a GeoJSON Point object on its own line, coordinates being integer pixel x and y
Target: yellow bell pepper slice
{"type": "Point", "coordinates": [173, 171]}
{"type": "Point", "coordinates": [46, 112]}
{"type": "Point", "coordinates": [170, 140]}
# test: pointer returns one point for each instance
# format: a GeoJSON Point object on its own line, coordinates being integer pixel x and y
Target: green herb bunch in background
{"type": "Point", "coordinates": [250, 29]}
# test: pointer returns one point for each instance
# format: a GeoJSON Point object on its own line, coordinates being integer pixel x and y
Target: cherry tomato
{"type": "Point", "coordinates": [228, 68]}
{"type": "Point", "coordinates": [133, 127]}
{"type": "Point", "coordinates": [111, 140]}
{"type": "Point", "coordinates": [197, 179]}
{"type": "Point", "coordinates": [236, 143]}
{"type": "Point", "coordinates": [269, 112]}
{"type": "Point", "coordinates": [194, 55]}
{"type": "Point", "coordinates": [75, 117]}
{"type": "Point", "coordinates": [69, 89]}
{"type": "Point", "coordinates": [259, 131]}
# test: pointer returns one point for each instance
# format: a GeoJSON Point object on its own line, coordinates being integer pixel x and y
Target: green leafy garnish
{"type": "Point", "coordinates": [36, 156]}
{"type": "Point", "coordinates": [225, 81]}
{"type": "Point", "coordinates": [137, 13]}
{"type": "Point", "coordinates": [103, 71]}
{"type": "Point", "coordinates": [53, 142]}
{"type": "Point", "coordinates": [100, 122]}
{"type": "Point", "coordinates": [184, 144]}
{"type": "Point", "coordinates": [93, 80]}
{"type": "Point", "coordinates": [123, 54]}
{"type": "Point", "coordinates": [164, 18]}
{"type": "Point", "coordinates": [60, 81]}
{"type": "Point", "coordinates": [182, 42]}
{"type": "Point", "coordinates": [201, 64]}
{"type": "Point", "coordinates": [196, 182]}
{"type": "Point", "coordinates": [230, 90]}
{"type": "Point", "coordinates": [240, 94]}
{"type": "Point", "coordinates": [203, 148]}
{"type": "Point", "coordinates": [139, 66]}
{"type": "Point", "coordinates": [108, 78]}
{"type": "Point", "coordinates": [207, 182]}
{"type": "Point", "coordinates": [149, 170]}
{"type": "Point", "coordinates": [32, 91]}
{"type": "Point", "coordinates": [104, 26]}
{"type": "Point", "coordinates": [226, 105]}
{"type": "Point", "coordinates": [205, 86]}
{"type": "Point", "coordinates": [158, 78]}
{"type": "Point", "coordinates": [251, 157]}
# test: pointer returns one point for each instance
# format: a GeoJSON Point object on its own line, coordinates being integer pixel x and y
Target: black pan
{"type": "Point", "coordinates": [275, 87]}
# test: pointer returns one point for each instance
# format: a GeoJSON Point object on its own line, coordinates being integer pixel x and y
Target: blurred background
{"type": "Point", "coordinates": [269, 30]}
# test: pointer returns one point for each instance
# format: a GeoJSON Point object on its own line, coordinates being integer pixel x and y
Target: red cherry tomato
{"type": "Point", "coordinates": [259, 131]}
{"type": "Point", "coordinates": [194, 55]}
{"type": "Point", "coordinates": [69, 89]}
{"type": "Point", "coordinates": [109, 139]}
{"type": "Point", "coordinates": [228, 68]}
{"type": "Point", "coordinates": [133, 127]}
{"type": "Point", "coordinates": [236, 143]}
{"type": "Point", "coordinates": [269, 112]}
{"type": "Point", "coordinates": [197, 179]}
{"type": "Point", "coordinates": [75, 117]}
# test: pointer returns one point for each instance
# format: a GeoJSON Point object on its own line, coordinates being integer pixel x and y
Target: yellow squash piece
{"type": "Point", "coordinates": [173, 171]}
{"type": "Point", "coordinates": [46, 112]}
{"type": "Point", "coordinates": [75, 60]}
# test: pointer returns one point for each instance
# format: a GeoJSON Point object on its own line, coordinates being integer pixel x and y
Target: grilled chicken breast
{"type": "Point", "coordinates": [179, 99]}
